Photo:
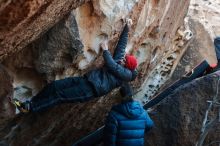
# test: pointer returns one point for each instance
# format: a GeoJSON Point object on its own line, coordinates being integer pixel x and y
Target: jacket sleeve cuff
{"type": "Point", "coordinates": [106, 53]}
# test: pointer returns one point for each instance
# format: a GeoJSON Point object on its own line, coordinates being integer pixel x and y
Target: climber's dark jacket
{"type": "Point", "coordinates": [119, 52]}
{"type": "Point", "coordinates": [112, 75]}
{"type": "Point", "coordinates": [126, 125]}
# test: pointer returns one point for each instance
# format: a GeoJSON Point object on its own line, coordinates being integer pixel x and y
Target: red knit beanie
{"type": "Point", "coordinates": [130, 62]}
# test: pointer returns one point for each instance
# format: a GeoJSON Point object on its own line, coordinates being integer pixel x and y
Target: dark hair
{"type": "Point", "coordinates": [126, 91]}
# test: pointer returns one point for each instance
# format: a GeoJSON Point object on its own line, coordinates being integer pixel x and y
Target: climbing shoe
{"type": "Point", "coordinates": [21, 106]}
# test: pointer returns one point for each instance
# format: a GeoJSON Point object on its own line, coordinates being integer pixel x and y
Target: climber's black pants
{"type": "Point", "coordinates": [73, 89]}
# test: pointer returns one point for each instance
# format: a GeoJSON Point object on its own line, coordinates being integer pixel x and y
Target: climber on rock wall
{"type": "Point", "coordinates": [127, 122]}
{"type": "Point", "coordinates": [117, 69]}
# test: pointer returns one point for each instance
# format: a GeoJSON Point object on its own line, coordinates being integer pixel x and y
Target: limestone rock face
{"type": "Point", "coordinates": [207, 13]}
{"type": "Point", "coordinates": [58, 48]}
{"type": "Point", "coordinates": [205, 17]}
{"type": "Point", "coordinates": [24, 21]}
{"type": "Point", "coordinates": [203, 21]}
{"type": "Point", "coordinates": [35, 53]}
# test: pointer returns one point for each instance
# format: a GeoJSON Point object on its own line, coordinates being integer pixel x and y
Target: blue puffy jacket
{"type": "Point", "coordinates": [126, 125]}
{"type": "Point", "coordinates": [112, 75]}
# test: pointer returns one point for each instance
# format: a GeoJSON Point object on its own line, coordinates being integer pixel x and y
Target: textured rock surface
{"type": "Point", "coordinates": [166, 66]}
{"type": "Point", "coordinates": [6, 109]}
{"type": "Point", "coordinates": [202, 20]}
{"type": "Point", "coordinates": [24, 21]}
{"type": "Point", "coordinates": [158, 38]}
{"type": "Point", "coordinates": [205, 14]}
{"type": "Point", "coordinates": [58, 48]}
{"type": "Point", "coordinates": [181, 114]}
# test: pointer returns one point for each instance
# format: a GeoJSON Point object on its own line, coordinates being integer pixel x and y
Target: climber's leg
{"type": "Point", "coordinates": [55, 86]}
{"type": "Point", "coordinates": [48, 91]}
{"type": "Point", "coordinates": [80, 91]}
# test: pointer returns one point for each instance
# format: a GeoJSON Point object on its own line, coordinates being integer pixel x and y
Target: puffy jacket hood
{"type": "Point", "coordinates": [130, 109]}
